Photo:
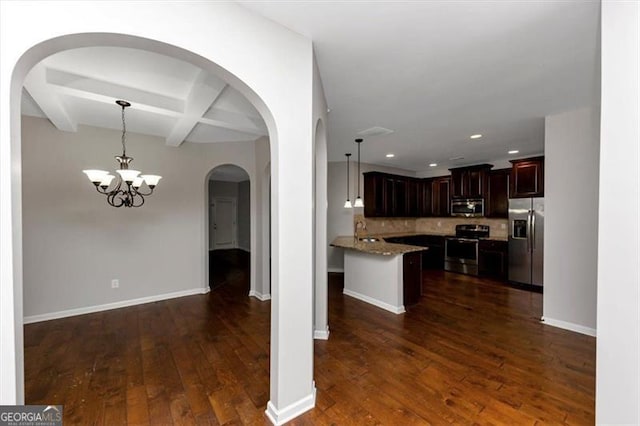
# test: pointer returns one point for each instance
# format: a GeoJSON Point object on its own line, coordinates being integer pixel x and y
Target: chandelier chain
{"type": "Point", "coordinates": [124, 132]}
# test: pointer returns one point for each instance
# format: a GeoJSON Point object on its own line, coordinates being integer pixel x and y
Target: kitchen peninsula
{"type": "Point", "coordinates": [383, 274]}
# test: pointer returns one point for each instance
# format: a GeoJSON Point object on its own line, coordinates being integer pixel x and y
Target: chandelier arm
{"type": "Point", "coordinates": [138, 195]}
{"type": "Point", "coordinates": [116, 196]}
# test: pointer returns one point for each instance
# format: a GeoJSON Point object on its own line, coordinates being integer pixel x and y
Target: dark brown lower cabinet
{"type": "Point", "coordinates": [433, 257]}
{"type": "Point", "coordinates": [493, 259]}
{"type": "Point", "coordinates": [412, 277]}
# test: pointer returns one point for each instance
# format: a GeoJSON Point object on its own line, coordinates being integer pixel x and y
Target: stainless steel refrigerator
{"type": "Point", "coordinates": [526, 240]}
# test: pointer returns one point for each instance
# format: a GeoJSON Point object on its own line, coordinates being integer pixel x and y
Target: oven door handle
{"type": "Point", "coordinates": [463, 240]}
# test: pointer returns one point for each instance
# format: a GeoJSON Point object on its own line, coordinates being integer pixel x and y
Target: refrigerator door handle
{"type": "Point", "coordinates": [533, 230]}
{"type": "Point", "coordinates": [529, 231]}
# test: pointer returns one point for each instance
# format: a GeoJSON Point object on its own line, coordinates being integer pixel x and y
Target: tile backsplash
{"type": "Point", "coordinates": [429, 225]}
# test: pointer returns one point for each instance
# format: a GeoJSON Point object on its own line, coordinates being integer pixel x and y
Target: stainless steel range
{"type": "Point", "coordinates": [461, 251]}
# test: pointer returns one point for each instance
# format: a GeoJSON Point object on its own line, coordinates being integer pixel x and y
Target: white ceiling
{"type": "Point", "coordinates": [437, 72]}
{"type": "Point", "coordinates": [433, 72]}
{"type": "Point", "coordinates": [170, 98]}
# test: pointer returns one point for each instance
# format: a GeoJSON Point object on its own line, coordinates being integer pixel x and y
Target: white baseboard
{"type": "Point", "coordinates": [375, 302]}
{"type": "Point", "coordinates": [337, 270]}
{"type": "Point", "coordinates": [280, 417]}
{"type": "Point", "coordinates": [259, 296]}
{"type": "Point", "coordinates": [569, 326]}
{"type": "Point", "coordinates": [321, 334]}
{"type": "Point", "coordinates": [114, 305]}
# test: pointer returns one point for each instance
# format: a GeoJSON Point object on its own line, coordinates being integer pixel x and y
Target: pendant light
{"type": "Point", "coordinates": [359, 202]}
{"type": "Point", "coordinates": [127, 191]}
{"type": "Point", "coordinates": [347, 204]}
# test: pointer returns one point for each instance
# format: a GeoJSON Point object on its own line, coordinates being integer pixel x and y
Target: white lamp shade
{"type": "Point", "coordinates": [347, 204]}
{"type": "Point", "coordinates": [152, 180]}
{"type": "Point", "coordinates": [128, 175]}
{"type": "Point", "coordinates": [106, 180]}
{"type": "Point", "coordinates": [95, 176]}
{"type": "Point", "coordinates": [137, 182]}
{"type": "Point", "coordinates": [358, 203]}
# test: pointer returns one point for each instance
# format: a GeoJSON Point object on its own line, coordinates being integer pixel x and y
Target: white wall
{"type": "Point", "coordinates": [572, 145]}
{"type": "Point", "coordinates": [75, 243]}
{"type": "Point", "coordinates": [618, 346]}
{"type": "Point", "coordinates": [339, 219]}
{"type": "Point", "coordinates": [244, 216]}
{"type": "Point", "coordinates": [281, 89]}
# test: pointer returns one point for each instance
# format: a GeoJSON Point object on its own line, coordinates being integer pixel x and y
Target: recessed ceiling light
{"type": "Point", "coordinates": [514, 151]}
{"type": "Point", "coordinates": [390, 155]}
{"type": "Point", "coordinates": [476, 136]}
{"type": "Point", "coordinates": [433, 164]}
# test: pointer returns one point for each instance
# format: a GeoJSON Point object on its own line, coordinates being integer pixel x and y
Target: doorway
{"type": "Point", "coordinates": [229, 234]}
{"type": "Point", "coordinates": [223, 214]}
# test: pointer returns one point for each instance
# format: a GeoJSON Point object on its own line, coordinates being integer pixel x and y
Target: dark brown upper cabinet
{"type": "Point", "coordinates": [374, 199]}
{"type": "Point", "coordinates": [396, 194]}
{"type": "Point", "coordinates": [414, 186]}
{"type": "Point", "coordinates": [497, 196]}
{"type": "Point", "coordinates": [387, 195]}
{"type": "Point", "coordinates": [527, 178]}
{"type": "Point", "coordinates": [469, 182]}
{"type": "Point", "coordinates": [424, 198]}
{"type": "Point", "coordinates": [441, 196]}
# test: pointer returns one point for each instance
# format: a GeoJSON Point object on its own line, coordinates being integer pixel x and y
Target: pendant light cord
{"type": "Point", "coordinates": [348, 176]}
{"type": "Point", "coordinates": [359, 168]}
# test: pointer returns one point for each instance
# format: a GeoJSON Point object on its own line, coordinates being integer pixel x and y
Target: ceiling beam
{"type": "Point", "coordinates": [233, 121]}
{"type": "Point", "coordinates": [204, 91]}
{"type": "Point", "coordinates": [89, 88]}
{"type": "Point", "coordinates": [51, 106]}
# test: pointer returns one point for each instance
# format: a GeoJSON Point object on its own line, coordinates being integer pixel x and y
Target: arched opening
{"type": "Point", "coordinates": [321, 295]}
{"type": "Point", "coordinates": [32, 59]}
{"type": "Point", "coordinates": [229, 227]}
{"type": "Point", "coordinates": [153, 243]}
{"type": "Point", "coordinates": [200, 36]}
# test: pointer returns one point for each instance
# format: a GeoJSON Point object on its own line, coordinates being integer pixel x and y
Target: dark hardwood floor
{"type": "Point", "coordinates": [470, 352]}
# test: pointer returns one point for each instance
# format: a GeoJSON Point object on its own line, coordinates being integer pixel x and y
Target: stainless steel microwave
{"type": "Point", "coordinates": [468, 207]}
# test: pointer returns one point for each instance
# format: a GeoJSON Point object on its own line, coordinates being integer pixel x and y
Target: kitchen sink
{"type": "Point", "coordinates": [369, 239]}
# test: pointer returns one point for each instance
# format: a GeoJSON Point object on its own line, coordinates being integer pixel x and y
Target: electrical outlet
{"type": "Point", "coordinates": [439, 224]}
{"type": "Point", "coordinates": [503, 226]}
{"type": "Point", "coordinates": [115, 283]}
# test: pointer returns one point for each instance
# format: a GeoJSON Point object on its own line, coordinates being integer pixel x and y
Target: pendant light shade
{"type": "Point", "coordinates": [359, 201]}
{"type": "Point", "coordinates": [347, 204]}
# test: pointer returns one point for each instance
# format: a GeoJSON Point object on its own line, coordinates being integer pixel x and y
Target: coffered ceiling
{"type": "Point", "coordinates": [170, 98]}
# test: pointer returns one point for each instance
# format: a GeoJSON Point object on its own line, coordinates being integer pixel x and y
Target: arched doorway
{"type": "Point", "coordinates": [290, 387]}
{"type": "Point", "coordinates": [229, 226]}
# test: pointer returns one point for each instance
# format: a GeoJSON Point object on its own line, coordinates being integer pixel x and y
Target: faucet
{"type": "Point", "coordinates": [362, 224]}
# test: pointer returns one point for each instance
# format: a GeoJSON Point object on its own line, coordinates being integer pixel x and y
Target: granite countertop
{"type": "Point", "coordinates": [378, 247]}
{"type": "Point", "coordinates": [413, 234]}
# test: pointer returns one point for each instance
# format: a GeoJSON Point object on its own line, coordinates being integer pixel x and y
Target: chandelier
{"type": "Point", "coordinates": [128, 189]}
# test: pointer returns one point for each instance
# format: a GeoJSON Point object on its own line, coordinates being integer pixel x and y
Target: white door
{"type": "Point", "coordinates": [224, 215]}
